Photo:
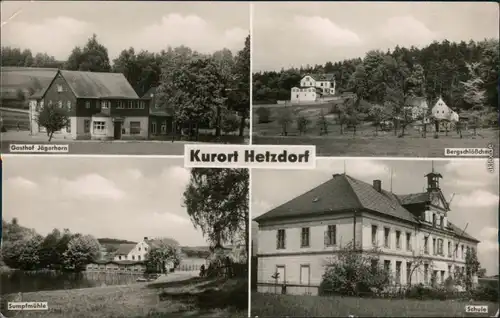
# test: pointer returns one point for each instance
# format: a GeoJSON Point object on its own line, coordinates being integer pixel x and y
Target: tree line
{"type": "Point", "coordinates": [199, 87]}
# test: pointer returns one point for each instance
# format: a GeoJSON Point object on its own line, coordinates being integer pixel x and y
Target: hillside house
{"type": "Point", "coordinates": [299, 238]}
{"type": "Point", "coordinates": [313, 88]}
{"type": "Point", "coordinates": [100, 106]}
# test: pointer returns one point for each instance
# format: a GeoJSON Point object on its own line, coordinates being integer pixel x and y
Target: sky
{"type": "Point", "coordinates": [57, 27]}
{"type": "Point", "coordinates": [122, 198]}
{"type": "Point", "coordinates": [474, 203]}
{"type": "Point", "coordinates": [294, 34]}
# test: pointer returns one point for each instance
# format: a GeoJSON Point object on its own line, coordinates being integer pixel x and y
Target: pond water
{"type": "Point", "coordinates": [21, 281]}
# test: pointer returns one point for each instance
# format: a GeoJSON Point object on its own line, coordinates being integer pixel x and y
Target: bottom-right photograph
{"type": "Point", "coordinates": [381, 238]}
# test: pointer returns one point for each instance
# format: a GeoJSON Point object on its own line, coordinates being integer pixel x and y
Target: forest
{"type": "Point", "coordinates": [437, 70]}
{"type": "Point", "coordinates": [181, 69]}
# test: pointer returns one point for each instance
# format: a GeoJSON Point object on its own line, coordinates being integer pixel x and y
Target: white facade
{"type": "Point", "coordinates": [136, 127]}
{"type": "Point", "coordinates": [441, 111]}
{"type": "Point", "coordinates": [101, 128]}
{"type": "Point", "coordinates": [303, 95]}
{"type": "Point", "coordinates": [327, 87]}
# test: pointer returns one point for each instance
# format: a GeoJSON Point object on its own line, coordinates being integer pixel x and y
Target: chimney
{"type": "Point", "coordinates": [377, 185]}
{"type": "Point", "coordinates": [145, 238]}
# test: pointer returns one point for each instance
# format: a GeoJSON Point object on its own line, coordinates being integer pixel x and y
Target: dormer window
{"type": "Point", "coordinates": [59, 88]}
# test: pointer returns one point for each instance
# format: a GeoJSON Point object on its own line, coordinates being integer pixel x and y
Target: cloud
{"type": "Point", "coordinates": [476, 199]}
{"type": "Point", "coordinates": [171, 218]}
{"type": "Point", "coordinates": [326, 32]}
{"type": "Point", "coordinates": [406, 30]}
{"type": "Point", "coordinates": [190, 30]}
{"type": "Point", "coordinates": [56, 36]}
{"type": "Point", "coordinates": [21, 183]}
{"type": "Point", "coordinates": [179, 174]}
{"type": "Point", "coordinates": [259, 207]}
{"type": "Point", "coordinates": [91, 186]}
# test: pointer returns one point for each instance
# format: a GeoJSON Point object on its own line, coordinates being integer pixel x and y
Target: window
{"type": "Point", "coordinates": [440, 247]}
{"type": "Point", "coordinates": [139, 257]}
{"type": "Point", "coordinates": [426, 273]}
{"type": "Point", "coordinates": [449, 271]}
{"type": "Point", "coordinates": [130, 104]}
{"type": "Point", "coordinates": [87, 104]}
{"type": "Point", "coordinates": [50, 102]}
{"type": "Point", "coordinates": [86, 126]}
{"type": "Point", "coordinates": [434, 250]}
{"type": "Point", "coordinates": [398, 272]}
{"type": "Point", "coordinates": [120, 257]}
{"type": "Point", "coordinates": [59, 88]}
{"type": "Point", "coordinates": [408, 272]}
{"type": "Point", "coordinates": [280, 239]}
{"type": "Point", "coordinates": [449, 249]}
{"type": "Point", "coordinates": [68, 105]}
{"type": "Point", "coordinates": [133, 257]}
{"type": "Point", "coordinates": [408, 241]}
{"type": "Point", "coordinates": [105, 104]}
{"type": "Point", "coordinates": [120, 105]}
{"type": "Point", "coordinates": [68, 126]}
{"type": "Point", "coordinates": [456, 250]}
{"type": "Point", "coordinates": [374, 265]}
{"type": "Point", "coordinates": [386, 237]}
{"type": "Point", "coordinates": [374, 235]}
{"type": "Point", "coordinates": [398, 239]}
{"type": "Point", "coordinates": [462, 253]}
{"type": "Point", "coordinates": [441, 221]}
{"type": "Point", "coordinates": [433, 219]}
{"type": "Point", "coordinates": [139, 249]}
{"type": "Point", "coordinates": [164, 127]}
{"type": "Point", "coordinates": [153, 128]}
{"type": "Point", "coordinates": [468, 251]}
{"type": "Point", "coordinates": [60, 103]}
{"type": "Point", "coordinates": [304, 238]}
{"type": "Point", "coordinates": [387, 266]}
{"type": "Point", "coordinates": [426, 245]}
{"type": "Point", "coordinates": [442, 276]}
{"type": "Point", "coordinates": [99, 126]}
{"type": "Point", "coordinates": [135, 127]}
{"type": "Point", "coordinates": [142, 104]}
{"type": "Point", "coordinates": [331, 235]}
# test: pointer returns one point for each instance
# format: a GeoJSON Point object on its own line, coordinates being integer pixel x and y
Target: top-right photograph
{"type": "Point", "coordinates": [393, 79]}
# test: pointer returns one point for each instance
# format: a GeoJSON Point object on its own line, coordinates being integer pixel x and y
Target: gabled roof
{"type": "Point", "coordinates": [339, 194]}
{"type": "Point", "coordinates": [461, 233]}
{"type": "Point", "coordinates": [124, 249]}
{"type": "Point", "coordinates": [97, 85]}
{"type": "Point", "coordinates": [414, 198]}
{"type": "Point", "coordinates": [322, 77]}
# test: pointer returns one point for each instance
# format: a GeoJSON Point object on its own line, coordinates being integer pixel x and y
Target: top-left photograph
{"type": "Point", "coordinates": [123, 78]}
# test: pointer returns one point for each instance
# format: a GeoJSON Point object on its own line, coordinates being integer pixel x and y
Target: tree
{"type": "Point", "coordinates": [302, 124]}
{"type": "Point", "coordinates": [22, 253]}
{"type": "Point", "coordinates": [49, 256]}
{"type": "Point", "coordinates": [285, 118]}
{"type": "Point", "coordinates": [217, 203]}
{"type": "Point", "coordinates": [378, 115]}
{"type": "Point", "coordinates": [240, 97]}
{"type": "Point", "coordinates": [93, 57]}
{"type": "Point", "coordinates": [481, 272]}
{"type": "Point", "coordinates": [322, 123]}
{"type": "Point", "coordinates": [263, 114]}
{"type": "Point", "coordinates": [82, 249]}
{"type": "Point", "coordinates": [163, 252]}
{"type": "Point", "coordinates": [417, 265]}
{"type": "Point", "coordinates": [230, 122]}
{"type": "Point", "coordinates": [472, 267]}
{"type": "Point", "coordinates": [53, 118]}
{"type": "Point", "coordinates": [475, 96]}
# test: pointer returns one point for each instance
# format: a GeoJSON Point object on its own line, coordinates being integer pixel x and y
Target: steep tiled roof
{"type": "Point", "coordinates": [124, 249]}
{"type": "Point", "coordinates": [343, 193]}
{"type": "Point", "coordinates": [99, 85]}
{"type": "Point", "coordinates": [414, 198]}
{"type": "Point", "coordinates": [323, 77]}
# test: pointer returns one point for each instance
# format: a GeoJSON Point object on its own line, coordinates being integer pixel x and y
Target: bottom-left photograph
{"type": "Point", "coordinates": [123, 237]}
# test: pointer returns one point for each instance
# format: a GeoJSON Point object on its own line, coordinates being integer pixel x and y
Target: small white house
{"type": "Point", "coordinates": [313, 87]}
{"type": "Point", "coordinates": [139, 251]}
{"type": "Point", "coordinates": [441, 111]}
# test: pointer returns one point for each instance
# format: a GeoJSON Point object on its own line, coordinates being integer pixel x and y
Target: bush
{"type": "Point", "coordinates": [4, 129]}
{"type": "Point", "coordinates": [230, 123]}
{"type": "Point", "coordinates": [354, 273]}
{"type": "Point", "coordinates": [485, 293]}
{"type": "Point", "coordinates": [264, 115]}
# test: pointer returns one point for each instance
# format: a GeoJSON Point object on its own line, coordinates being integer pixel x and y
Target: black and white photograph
{"type": "Point", "coordinates": [123, 237]}
{"type": "Point", "coordinates": [375, 238]}
{"type": "Point", "coordinates": [100, 78]}
{"type": "Point", "coordinates": [372, 79]}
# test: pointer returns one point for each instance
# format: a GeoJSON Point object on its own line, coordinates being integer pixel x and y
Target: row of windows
{"type": "Point", "coordinates": [100, 127]}
{"type": "Point", "coordinates": [104, 104]}
{"type": "Point", "coordinates": [120, 257]}
{"type": "Point", "coordinates": [103, 267]}
{"type": "Point", "coordinates": [330, 236]}
{"type": "Point", "coordinates": [387, 241]}
{"type": "Point", "coordinates": [303, 89]}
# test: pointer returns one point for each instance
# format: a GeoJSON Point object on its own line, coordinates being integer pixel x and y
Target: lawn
{"type": "Point", "coordinates": [141, 300]}
{"type": "Point", "coordinates": [269, 305]}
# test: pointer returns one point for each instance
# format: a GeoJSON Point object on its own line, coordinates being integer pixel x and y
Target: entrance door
{"type": "Point", "coordinates": [305, 277]}
{"type": "Point", "coordinates": [153, 128]}
{"type": "Point", "coordinates": [117, 130]}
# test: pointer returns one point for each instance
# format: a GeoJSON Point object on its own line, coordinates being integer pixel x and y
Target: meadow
{"type": "Point", "coordinates": [200, 297]}
{"type": "Point", "coordinates": [270, 305]}
{"type": "Point", "coordinates": [365, 140]}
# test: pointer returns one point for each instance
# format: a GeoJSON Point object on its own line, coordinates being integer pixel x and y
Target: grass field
{"type": "Point", "coordinates": [140, 300]}
{"type": "Point", "coordinates": [365, 142]}
{"type": "Point", "coordinates": [269, 305]}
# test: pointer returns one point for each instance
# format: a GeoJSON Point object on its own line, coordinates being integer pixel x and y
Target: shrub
{"type": "Point", "coordinates": [264, 115]}
{"type": "Point", "coordinates": [485, 293]}
{"type": "Point", "coordinates": [4, 129]}
{"type": "Point", "coordinates": [302, 124]}
{"type": "Point", "coordinates": [230, 123]}
{"type": "Point", "coordinates": [354, 273]}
